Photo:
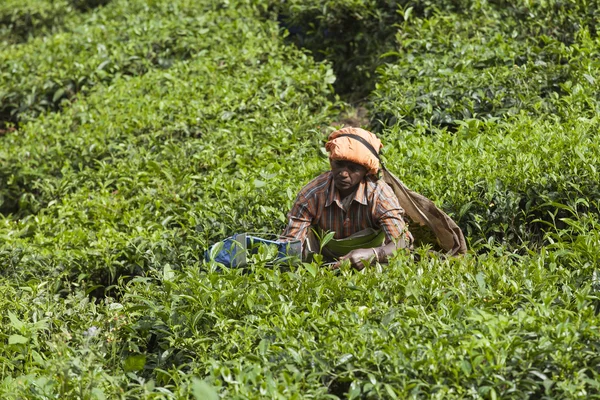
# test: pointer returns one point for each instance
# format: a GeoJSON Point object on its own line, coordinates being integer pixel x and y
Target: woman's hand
{"type": "Point", "coordinates": [358, 258]}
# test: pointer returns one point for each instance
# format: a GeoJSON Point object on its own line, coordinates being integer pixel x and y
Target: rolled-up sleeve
{"type": "Point", "coordinates": [389, 215]}
{"type": "Point", "coordinates": [300, 219]}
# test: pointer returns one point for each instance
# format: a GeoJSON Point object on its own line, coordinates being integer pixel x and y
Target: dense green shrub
{"type": "Point", "coordinates": [351, 34]}
{"type": "Point", "coordinates": [497, 178]}
{"type": "Point", "coordinates": [442, 329]}
{"type": "Point", "coordinates": [561, 20]}
{"type": "Point", "coordinates": [496, 324]}
{"type": "Point", "coordinates": [495, 86]}
{"type": "Point", "coordinates": [357, 36]}
{"type": "Point", "coordinates": [488, 64]}
{"type": "Point", "coordinates": [202, 166]}
{"type": "Point", "coordinates": [21, 19]}
{"type": "Point", "coordinates": [107, 206]}
{"type": "Point", "coordinates": [66, 346]}
{"type": "Point", "coordinates": [86, 5]}
{"type": "Point", "coordinates": [123, 39]}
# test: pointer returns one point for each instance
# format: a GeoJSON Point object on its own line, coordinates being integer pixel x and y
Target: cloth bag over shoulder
{"type": "Point", "coordinates": [424, 212]}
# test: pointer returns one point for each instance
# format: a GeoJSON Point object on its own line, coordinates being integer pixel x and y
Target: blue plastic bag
{"type": "Point", "coordinates": [233, 252]}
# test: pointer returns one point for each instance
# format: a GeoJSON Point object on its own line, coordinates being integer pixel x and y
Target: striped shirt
{"type": "Point", "coordinates": [374, 206]}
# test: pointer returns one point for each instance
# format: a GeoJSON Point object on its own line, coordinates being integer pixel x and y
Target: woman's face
{"type": "Point", "coordinates": [346, 175]}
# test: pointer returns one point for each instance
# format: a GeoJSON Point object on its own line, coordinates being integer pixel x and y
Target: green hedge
{"type": "Point", "coordinates": [496, 325]}
{"type": "Point", "coordinates": [499, 325]}
{"type": "Point", "coordinates": [213, 141]}
{"type": "Point", "coordinates": [122, 39]}
{"type": "Point", "coordinates": [23, 19]}
{"type": "Point", "coordinates": [489, 64]}
{"type": "Point", "coordinates": [351, 34]}
{"type": "Point", "coordinates": [498, 178]}
{"type": "Point", "coordinates": [108, 205]}
{"type": "Point", "coordinates": [508, 108]}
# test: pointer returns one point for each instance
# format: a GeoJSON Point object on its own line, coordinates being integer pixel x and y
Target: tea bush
{"type": "Point", "coordinates": [494, 325]}
{"type": "Point", "coordinates": [490, 64]}
{"type": "Point", "coordinates": [20, 20]}
{"type": "Point", "coordinates": [118, 40]}
{"type": "Point", "coordinates": [485, 175]}
{"type": "Point", "coordinates": [355, 36]}
{"type": "Point", "coordinates": [336, 30]}
{"type": "Point", "coordinates": [66, 347]}
{"type": "Point", "coordinates": [497, 325]}
{"type": "Point", "coordinates": [502, 76]}
{"type": "Point", "coordinates": [203, 121]}
{"type": "Point", "coordinates": [201, 164]}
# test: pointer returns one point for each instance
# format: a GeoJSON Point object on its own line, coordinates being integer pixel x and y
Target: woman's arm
{"type": "Point", "coordinates": [359, 257]}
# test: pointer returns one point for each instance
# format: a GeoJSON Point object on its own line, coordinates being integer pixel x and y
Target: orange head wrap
{"type": "Point", "coordinates": [350, 149]}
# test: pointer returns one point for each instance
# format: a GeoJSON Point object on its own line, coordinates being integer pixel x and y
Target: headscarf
{"type": "Point", "coordinates": [350, 149]}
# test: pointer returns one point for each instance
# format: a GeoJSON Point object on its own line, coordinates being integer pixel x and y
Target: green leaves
{"type": "Point", "coordinates": [493, 65]}
{"type": "Point", "coordinates": [15, 322]}
{"type": "Point", "coordinates": [312, 268]}
{"type": "Point", "coordinates": [188, 121]}
{"type": "Point", "coordinates": [17, 339]}
{"type": "Point", "coordinates": [203, 391]}
{"type": "Point", "coordinates": [134, 363]}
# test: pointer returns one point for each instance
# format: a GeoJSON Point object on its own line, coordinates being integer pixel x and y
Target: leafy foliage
{"type": "Point", "coordinates": [138, 133]}
{"type": "Point", "coordinates": [356, 36]}
{"type": "Point", "coordinates": [489, 64]}
{"type": "Point", "coordinates": [491, 184]}
{"type": "Point", "coordinates": [55, 181]}
{"type": "Point", "coordinates": [20, 19]}
{"type": "Point", "coordinates": [118, 40]}
{"type": "Point", "coordinates": [337, 31]}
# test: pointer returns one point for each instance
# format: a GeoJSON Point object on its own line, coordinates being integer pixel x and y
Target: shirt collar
{"type": "Point", "coordinates": [360, 195]}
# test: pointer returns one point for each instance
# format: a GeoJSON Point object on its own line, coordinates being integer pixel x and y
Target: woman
{"type": "Point", "coordinates": [352, 202]}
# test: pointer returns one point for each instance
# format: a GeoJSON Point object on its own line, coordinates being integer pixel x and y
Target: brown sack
{"type": "Point", "coordinates": [423, 211]}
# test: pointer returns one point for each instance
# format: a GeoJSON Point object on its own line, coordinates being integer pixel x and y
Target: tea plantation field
{"type": "Point", "coordinates": [136, 133]}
